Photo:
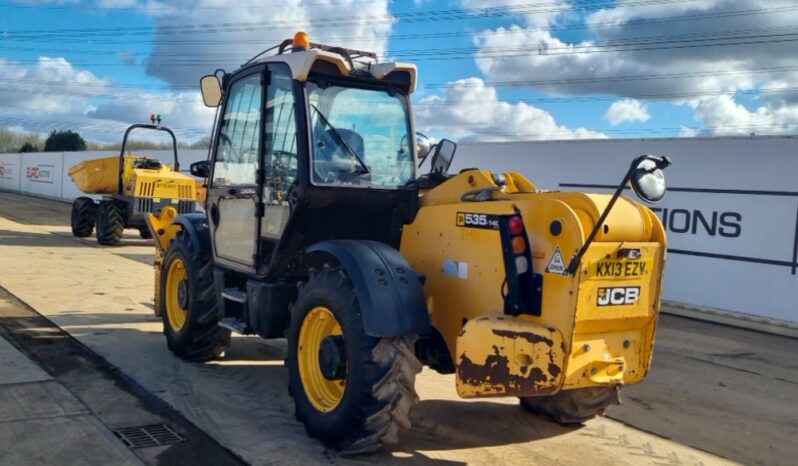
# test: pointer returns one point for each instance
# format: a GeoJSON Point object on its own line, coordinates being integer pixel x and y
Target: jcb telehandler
{"type": "Point", "coordinates": [132, 187]}
{"type": "Point", "coordinates": [319, 230]}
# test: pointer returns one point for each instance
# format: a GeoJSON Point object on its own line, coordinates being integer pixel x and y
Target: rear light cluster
{"type": "Point", "coordinates": [522, 288]}
{"type": "Point", "coordinates": [518, 242]}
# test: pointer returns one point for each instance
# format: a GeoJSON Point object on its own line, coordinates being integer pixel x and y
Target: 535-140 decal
{"type": "Point", "coordinates": [472, 220]}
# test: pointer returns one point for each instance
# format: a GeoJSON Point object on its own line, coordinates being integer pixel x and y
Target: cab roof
{"type": "Point", "coordinates": [302, 62]}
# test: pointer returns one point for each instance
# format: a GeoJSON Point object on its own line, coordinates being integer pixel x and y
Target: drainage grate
{"type": "Point", "coordinates": [148, 436]}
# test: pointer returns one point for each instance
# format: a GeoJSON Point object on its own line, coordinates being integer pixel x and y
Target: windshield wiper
{"type": "Point", "coordinates": [340, 139]}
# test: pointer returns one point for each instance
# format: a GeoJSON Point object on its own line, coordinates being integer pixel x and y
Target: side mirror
{"type": "Point", "coordinates": [201, 169]}
{"type": "Point", "coordinates": [443, 156]}
{"type": "Point", "coordinates": [423, 146]}
{"type": "Point", "coordinates": [648, 180]}
{"type": "Point", "coordinates": [211, 90]}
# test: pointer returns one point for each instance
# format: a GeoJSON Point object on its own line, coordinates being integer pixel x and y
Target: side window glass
{"type": "Point", "coordinates": [281, 139]}
{"type": "Point", "coordinates": [280, 157]}
{"type": "Point", "coordinates": [239, 139]}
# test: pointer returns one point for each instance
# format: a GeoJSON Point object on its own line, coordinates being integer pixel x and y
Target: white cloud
{"type": "Point", "coordinates": [49, 86]}
{"type": "Point", "coordinates": [626, 110]}
{"type": "Point", "coordinates": [471, 110]}
{"type": "Point", "coordinates": [655, 45]}
{"type": "Point", "coordinates": [181, 110]}
{"type": "Point", "coordinates": [241, 32]}
{"type": "Point", "coordinates": [722, 115]}
{"type": "Point", "coordinates": [52, 94]}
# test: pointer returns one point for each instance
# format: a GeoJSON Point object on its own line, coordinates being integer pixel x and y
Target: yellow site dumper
{"type": "Point", "coordinates": [131, 187]}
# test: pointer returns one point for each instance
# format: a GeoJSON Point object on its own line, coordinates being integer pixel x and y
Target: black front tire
{"type": "Point", "coordinates": [84, 213]}
{"type": "Point", "coordinates": [110, 222]}
{"type": "Point", "coordinates": [200, 338]}
{"type": "Point", "coordinates": [380, 373]}
{"type": "Point", "coordinates": [575, 406]}
{"type": "Point", "coordinates": [144, 233]}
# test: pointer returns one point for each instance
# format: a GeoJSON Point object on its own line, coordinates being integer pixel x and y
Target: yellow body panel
{"type": "Point", "coordinates": [464, 269]}
{"type": "Point", "coordinates": [163, 229]}
{"type": "Point", "coordinates": [502, 356]}
{"type": "Point", "coordinates": [98, 176]}
{"type": "Point", "coordinates": [101, 176]}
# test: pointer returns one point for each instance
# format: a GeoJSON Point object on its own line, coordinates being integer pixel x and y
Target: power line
{"type": "Point", "coordinates": [439, 103]}
{"type": "Point", "coordinates": [422, 16]}
{"type": "Point", "coordinates": [620, 42]}
{"type": "Point", "coordinates": [433, 85]}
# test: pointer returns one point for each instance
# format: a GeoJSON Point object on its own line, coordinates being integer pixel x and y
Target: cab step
{"type": "Point", "coordinates": [235, 294]}
{"type": "Point", "coordinates": [234, 325]}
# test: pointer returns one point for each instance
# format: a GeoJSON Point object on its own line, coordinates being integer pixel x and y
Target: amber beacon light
{"type": "Point", "coordinates": [301, 42]}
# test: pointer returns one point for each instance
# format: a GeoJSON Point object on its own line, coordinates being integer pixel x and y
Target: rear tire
{"type": "Point", "coordinates": [189, 303]}
{"type": "Point", "coordinates": [84, 213]}
{"type": "Point", "coordinates": [573, 406]}
{"type": "Point", "coordinates": [375, 386]}
{"type": "Point", "coordinates": [110, 222]}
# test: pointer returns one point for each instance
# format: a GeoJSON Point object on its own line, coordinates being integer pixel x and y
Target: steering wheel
{"type": "Point", "coordinates": [331, 163]}
{"type": "Point", "coordinates": [283, 164]}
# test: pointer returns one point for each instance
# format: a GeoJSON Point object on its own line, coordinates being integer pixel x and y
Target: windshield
{"type": "Point", "coordinates": [360, 137]}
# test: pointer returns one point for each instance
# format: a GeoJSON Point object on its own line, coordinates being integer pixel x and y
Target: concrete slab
{"type": "Point", "coordinates": [104, 300]}
{"type": "Point", "coordinates": [37, 401]}
{"type": "Point", "coordinates": [81, 440]}
{"type": "Point", "coordinates": [15, 367]}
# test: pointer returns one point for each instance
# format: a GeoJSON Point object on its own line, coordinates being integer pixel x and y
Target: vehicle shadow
{"type": "Point", "coordinates": [247, 389]}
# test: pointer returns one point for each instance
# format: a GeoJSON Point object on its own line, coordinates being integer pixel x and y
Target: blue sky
{"type": "Point", "coordinates": [578, 68]}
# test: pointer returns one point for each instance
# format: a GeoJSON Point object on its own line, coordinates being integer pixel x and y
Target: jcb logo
{"type": "Point", "coordinates": [618, 296]}
{"type": "Point", "coordinates": [487, 221]}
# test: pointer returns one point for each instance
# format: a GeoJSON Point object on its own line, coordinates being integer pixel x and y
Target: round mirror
{"type": "Point", "coordinates": [423, 145]}
{"type": "Point", "coordinates": [648, 181]}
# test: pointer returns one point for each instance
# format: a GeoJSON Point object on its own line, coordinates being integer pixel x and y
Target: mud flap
{"type": "Point", "coordinates": [499, 355]}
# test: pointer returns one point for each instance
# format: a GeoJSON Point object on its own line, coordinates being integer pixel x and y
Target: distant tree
{"type": "Point", "coordinates": [203, 143]}
{"type": "Point", "coordinates": [64, 140]}
{"type": "Point", "coordinates": [12, 140]}
{"type": "Point", "coordinates": [28, 147]}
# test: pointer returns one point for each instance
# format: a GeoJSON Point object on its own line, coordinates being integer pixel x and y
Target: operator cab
{"type": "Point", "coordinates": [309, 145]}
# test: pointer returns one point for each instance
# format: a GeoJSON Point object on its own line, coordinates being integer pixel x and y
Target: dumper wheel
{"type": "Point", "coordinates": [84, 213]}
{"type": "Point", "coordinates": [144, 233]}
{"type": "Point", "coordinates": [573, 406]}
{"type": "Point", "coordinates": [352, 391]}
{"type": "Point", "coordinates": [110, 222]}
{"type": "Point", "coordinates": [188, 299]}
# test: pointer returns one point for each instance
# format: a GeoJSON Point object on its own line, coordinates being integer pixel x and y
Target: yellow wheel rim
{"type": "Point", "coordinates": [175, 312]}
{"type": "Point", "coordinates": [325, 395]}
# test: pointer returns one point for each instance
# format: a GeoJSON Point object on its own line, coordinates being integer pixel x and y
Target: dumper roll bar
{"type": "Point", "coordinates": [124, 143]}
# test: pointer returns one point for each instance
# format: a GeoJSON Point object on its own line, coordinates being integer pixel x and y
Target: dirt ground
{"type": "Point", "coordinates": [102, 297]}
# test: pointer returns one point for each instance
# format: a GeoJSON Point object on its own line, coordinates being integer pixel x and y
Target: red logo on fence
{"type": "Point", "coordinates": [32, 173]}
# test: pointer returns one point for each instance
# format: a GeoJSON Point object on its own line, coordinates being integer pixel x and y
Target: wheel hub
{"type": "Point", "coordinates": [332, 357]}
{"type": "Point", "coordinates": [182, 294]}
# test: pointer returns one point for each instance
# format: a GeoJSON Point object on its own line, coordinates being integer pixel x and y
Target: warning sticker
{"type": "Point", "coordinates": [556, 264]}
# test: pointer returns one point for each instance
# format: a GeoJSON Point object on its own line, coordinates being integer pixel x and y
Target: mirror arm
{"type": "Point", "coordinates": [574, 264]}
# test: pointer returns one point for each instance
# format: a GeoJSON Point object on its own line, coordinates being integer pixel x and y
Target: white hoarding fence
{"type": "Point", "coordinates": [47, 173]}
{"type": "Point", "coordinates": [731, 211]}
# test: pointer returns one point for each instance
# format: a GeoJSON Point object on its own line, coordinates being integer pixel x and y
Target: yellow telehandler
{"type": "Point", "coordinates": [319, 229]}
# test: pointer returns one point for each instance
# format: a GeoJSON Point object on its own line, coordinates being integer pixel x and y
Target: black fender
{"type": "Point", "coordinates": [196, 225]}
{"type": "Point", "coordinates": [388, 289]}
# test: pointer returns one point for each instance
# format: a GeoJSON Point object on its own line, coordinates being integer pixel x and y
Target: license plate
{"type": "Point", "coordinates": [619, 269]}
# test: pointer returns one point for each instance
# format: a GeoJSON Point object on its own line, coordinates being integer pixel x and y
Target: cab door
{"type": "Point", "coordinates": [233, 194]}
